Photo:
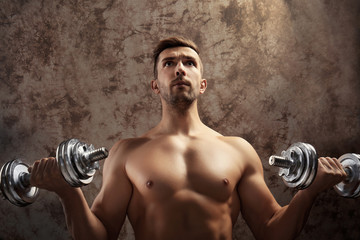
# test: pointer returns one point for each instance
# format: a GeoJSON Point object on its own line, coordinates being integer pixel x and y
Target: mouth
{"type": "Point", "coordinates": [180, 83]}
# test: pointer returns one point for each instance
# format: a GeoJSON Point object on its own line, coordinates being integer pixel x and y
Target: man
{"type": "Point", "coordinates": [181, 179]}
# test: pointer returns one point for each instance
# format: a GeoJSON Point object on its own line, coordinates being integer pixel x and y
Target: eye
{"type": "Point", "coordinates": [168, 63]}
{"type": "Point", "coordinates": [191, 63]}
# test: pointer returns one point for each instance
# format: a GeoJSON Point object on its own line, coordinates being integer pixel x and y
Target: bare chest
{"type": "Point", "coordinates": [163, 168]}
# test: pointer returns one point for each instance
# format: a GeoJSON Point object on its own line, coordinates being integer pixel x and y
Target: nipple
{"type": "Point", "coordinates": [149, 184]}
{"type": "Point", "coordinates": [226, 181]}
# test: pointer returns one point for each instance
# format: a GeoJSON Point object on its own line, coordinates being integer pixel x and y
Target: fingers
{"type": "Point", "coordinates": [330, 163]}
{"type": "Point", "coordinates": [339, 167]}
{"type": "Point", "coordinates": [333, 167]}
{"type": "Point", "coordinates": [49, 166]}
{"type": "Point", "coordinates": [40, 170]}
{"type": "Point", "coordinates": [45, 174]}
{"type": "Point", "coordinates": [35, 172]}
{"type": "Point", "coordinates": [325, 163]}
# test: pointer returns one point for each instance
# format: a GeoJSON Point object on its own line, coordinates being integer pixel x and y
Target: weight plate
{"type": "Point", "coordinates": [69, 156]}
{"type": "Point", "coordinates": [12, 187]}
{"type": "Point", "coordinates": [61, 162]}
{"type": "Point", "coordinates": [69, 162]}
{"type": "Point", "coordinates": [295, 154]}
{"type": "Point", "coordinates": [351, 186]}
{"type": "Point", "coordinates": [10, 180]}
{"type": "Point", "coordinates": [79, 165]}
{"type": "Point", "coordinates": [85, 169]}
{"type": "Point", "coordinates": [67, 170]}
{"type": "Point", "coordinates": [303, 170]}
{"type": "Point", "coordinates": [74, 161]}
{"type": "Point", "coordinates": [311, 165]}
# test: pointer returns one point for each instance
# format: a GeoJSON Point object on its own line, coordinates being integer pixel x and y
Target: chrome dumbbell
{"type": "Point", "coordinates": [77, 161]}
{"type": "Point", "coordinates": [298, 166]}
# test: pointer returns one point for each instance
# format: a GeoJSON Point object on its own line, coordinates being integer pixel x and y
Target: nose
{"type": "Point", "coordinates": [180, 70]}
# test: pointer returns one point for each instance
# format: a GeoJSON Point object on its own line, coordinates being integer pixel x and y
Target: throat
{"type": "Point", "coordinates": [180, 107]}
{"type": "Point", "coordinates": [180, 118]}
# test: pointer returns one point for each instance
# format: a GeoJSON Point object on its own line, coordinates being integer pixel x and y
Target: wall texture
{"type": "Point", "coordinates": [278, 72]}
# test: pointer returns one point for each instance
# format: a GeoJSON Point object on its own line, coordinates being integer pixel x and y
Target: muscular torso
{"type": "Point", "coordinates": [183, 187]}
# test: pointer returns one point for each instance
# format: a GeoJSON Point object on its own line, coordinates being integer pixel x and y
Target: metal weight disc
{"type": "Point", "coordinates": [11, 186]}
{"type": "Point", "coordinates": [75, 152]}
{"type": "Point", "coordinates": [68, 155]}
{"type": "Point", "coordinates": [292, 175]}
{"type": "Point", "coordinates": [351, 186]}
{"type": "Point", "coordinates": [312, 165]}
{"type": "Point", "coordinates": [70, 162]}
{"type": "Point", "coordinates": [63, 154]}
{"type": "Point", "coordinates": [304, 168]}
{"type": "Point", "coordinates": [85, 170]}
{"type": "Point", "coordinates": [61, 162]}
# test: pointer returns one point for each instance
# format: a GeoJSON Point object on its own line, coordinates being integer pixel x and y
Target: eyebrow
{"type": "Point", "coordinates": [181, 56]}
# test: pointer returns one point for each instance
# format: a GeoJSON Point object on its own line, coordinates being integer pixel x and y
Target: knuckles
{"type": "Point", "coordinates": [41, 171]}
{"type": "Point", "coordinates": [331, 169]}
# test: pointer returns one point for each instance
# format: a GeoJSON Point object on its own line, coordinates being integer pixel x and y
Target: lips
{"type": "Point", "coordinates": [180, 83]}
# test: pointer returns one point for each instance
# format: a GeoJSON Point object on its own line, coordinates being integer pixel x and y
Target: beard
{"type": "Point", "coordinates": [180, 99]}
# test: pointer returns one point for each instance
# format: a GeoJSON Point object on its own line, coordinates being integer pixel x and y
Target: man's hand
{"type": "Point", "coordinates": [46, 174]}
{"type": "Point", "coordinates": [329, 173]}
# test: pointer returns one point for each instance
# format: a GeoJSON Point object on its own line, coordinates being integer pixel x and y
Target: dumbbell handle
{"type": "Point", "coordinates": [89, 157]}
{"type": "Point", "coordinates": [282, 162]}
{"type": "Point", "coordinates": [96, 155]}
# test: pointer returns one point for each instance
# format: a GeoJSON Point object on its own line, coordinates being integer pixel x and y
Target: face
{"type": "Point", "coordinates": [179, 78]}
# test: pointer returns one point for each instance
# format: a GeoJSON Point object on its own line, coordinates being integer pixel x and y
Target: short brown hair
{"type": "Point", "coordinates": [171, 42]}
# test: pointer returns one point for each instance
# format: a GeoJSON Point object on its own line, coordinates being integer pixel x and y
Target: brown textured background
{"type": "Point", "coordinates": [278, 72]}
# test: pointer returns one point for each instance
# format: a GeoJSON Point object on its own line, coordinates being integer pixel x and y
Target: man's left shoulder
{"type": "Point", "coordinates": [244, 148]}
{"type": "Point", "coordinates": [235, 141]}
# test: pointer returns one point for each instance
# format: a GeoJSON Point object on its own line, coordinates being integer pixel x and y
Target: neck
{"type": "Point", "coordinates": [180, 120]}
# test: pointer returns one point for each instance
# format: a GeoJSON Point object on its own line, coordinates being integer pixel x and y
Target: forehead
{"type": "Point", "coordinates": [179, 52]}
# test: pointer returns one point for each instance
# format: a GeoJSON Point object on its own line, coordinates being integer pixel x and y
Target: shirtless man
{"type": "Point", "coordinates": [181, 179]}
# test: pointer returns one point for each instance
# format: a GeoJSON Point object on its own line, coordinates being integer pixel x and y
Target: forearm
{"type": "Point", "coordinates": [80, 220]}
{"type": "Point", "coordinates": [289, 220]}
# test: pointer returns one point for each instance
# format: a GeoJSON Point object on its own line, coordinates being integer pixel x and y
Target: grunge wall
{"type": "Point", "coordinates": [278, 72]}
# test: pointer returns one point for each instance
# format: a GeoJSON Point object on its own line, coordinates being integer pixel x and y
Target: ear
{"type": "Point", "coordinates": [155, 86]}
{"type": "Point", "coordinates": [203, 85]}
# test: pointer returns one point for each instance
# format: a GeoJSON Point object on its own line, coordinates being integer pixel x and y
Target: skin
{"type": "Point", "coordinates": [181, 179]}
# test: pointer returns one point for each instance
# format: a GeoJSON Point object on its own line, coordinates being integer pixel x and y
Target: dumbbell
{"type": "Point", "coordinates": [77, 161]}
{"type": "Point", "coordinates": [298, 166]}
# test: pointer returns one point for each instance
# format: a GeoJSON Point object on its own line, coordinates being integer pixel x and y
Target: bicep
{"type": "Point", "coordinates": [257, 202]}
{"type": "Point", "coordinates": [111, 203]}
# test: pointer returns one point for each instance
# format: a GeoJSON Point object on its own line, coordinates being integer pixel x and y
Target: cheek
{"type": "Point", "coordinates": [197, 79]}
{"type": "Point", "coordinates": [163, 87]}
{"type": "Point", "coordinates": [165, 75]}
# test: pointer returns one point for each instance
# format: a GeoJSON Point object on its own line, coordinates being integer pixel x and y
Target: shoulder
{"type": "Point", "coordinates": [248, 154]}
{"type": "Point", "coordinates": [125, 146]}
{"type": "Point", "coordinates": [121, 149]}
{"type": "Point", "coordinates": [238, 143]}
